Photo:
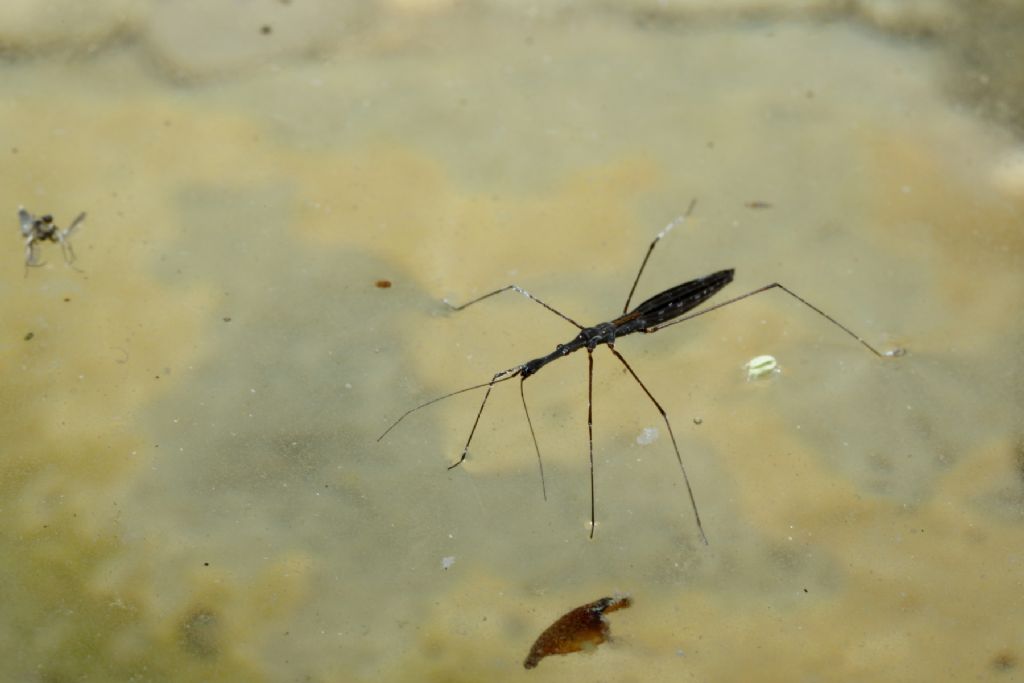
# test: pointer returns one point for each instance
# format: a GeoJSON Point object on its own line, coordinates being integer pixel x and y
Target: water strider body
{"type": "Point", "coordinates": [646, 317]}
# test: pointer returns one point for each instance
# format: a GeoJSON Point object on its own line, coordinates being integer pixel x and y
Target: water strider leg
{"type": "Point", "coordinates": [520, 290]}
{"type": "Point", "coordinates": [526, 411]}
{"type": "Point", "coordinates": [590, 431]}
{"type": "Point", "coordinates": [805, 302]}
{"type": "Point", "coordinates": [487, 394]}
{"type": "Point", "coordinates": [675, 446]}
{"type": "Point", "coordinates": [497, 379]}
{"type": "Point", "coordinates": [679, 220]}
{"type": "Point", "coordinates": [540, 463]}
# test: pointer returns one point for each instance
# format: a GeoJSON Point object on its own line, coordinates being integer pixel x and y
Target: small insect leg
{"type": "Point", "coordinates": [69, 253]}
{"type": "Point", "coordinates": [32, 253]}
{"type": "Point", "coordinates": [74, 225]}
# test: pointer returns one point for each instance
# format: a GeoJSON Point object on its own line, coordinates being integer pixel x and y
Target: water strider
{"type": "Point", "coordinates": [662, 310]}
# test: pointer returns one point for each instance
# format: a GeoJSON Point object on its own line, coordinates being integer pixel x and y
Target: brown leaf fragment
{"type": "Point", "coordinates": [584, 628]}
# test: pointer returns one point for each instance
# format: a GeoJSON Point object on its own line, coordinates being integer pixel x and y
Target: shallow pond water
{"type": "Point", "coordinates": [192, 485]}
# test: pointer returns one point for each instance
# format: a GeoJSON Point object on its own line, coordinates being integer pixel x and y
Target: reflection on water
{"type": "Point", "coordinates": [192, 488]}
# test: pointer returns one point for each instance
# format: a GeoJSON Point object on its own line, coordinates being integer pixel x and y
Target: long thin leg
{"type": "Point", "coordinates": [805, 302]}
{"type": "Point", "coordinates": [522, 291]}
{"type": "Point", "coordinates": [675, 446]}
{"type": "Point", "coordinates": [643, 264]}
{"type": "Point", "coordinates": [480, 412]}
{"type": "Point", "coordinates": [497, 379]}
{"type": "Point", "coordinates": [590, 432]}
{"type": "Point", "coordinates": [540, 463]}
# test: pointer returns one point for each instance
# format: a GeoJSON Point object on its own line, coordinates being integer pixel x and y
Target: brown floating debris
{"type": "Point", "coordinates": [383, 284]}
{"type": "Point", "coordinates": [584, 628]}
{"type": "Point", "coordinates": [758, 204]}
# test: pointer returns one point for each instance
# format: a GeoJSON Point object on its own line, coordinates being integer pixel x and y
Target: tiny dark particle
{"type": "Point", "coordinates": [383, 284]}
{"type": "Point", "coordinates": [758, 204]}
{"type": "Point", "coordinates": [266, 29]}
{"type": "Point", "coordinates": [1004, 661]}
{"type": "Point", "coordinates": [67, 299]}
{"type": "Point", "coordinates": [227, 318]}
{"type": "Point", "coordinates": [28, 337]}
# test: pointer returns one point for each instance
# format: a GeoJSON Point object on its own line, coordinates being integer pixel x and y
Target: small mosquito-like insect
{"type": "Point", "coordinates": [36, 229]}
{"type": "Point", "coordinates": [656, 313]}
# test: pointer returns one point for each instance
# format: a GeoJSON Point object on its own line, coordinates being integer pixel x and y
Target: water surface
{"type": "Point", "coordinates": [192, 488]}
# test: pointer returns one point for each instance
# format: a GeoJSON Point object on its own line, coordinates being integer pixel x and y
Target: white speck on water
{"type": "Point", "coordinates": [761, 366]}
{"type": "Point", "coordinates": [648, 436]}
{"type": "Point", "coordinates": [447, 562]}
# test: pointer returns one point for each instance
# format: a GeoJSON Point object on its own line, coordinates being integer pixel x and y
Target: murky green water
{"type": "Point", "coordinates": [191, 486]}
